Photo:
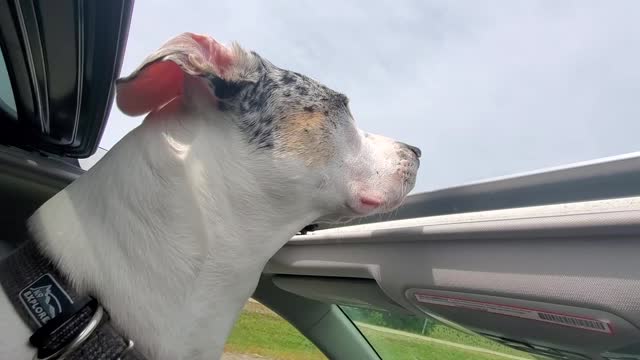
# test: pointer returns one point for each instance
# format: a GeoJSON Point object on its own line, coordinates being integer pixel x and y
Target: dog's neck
{"type": "Point", "coordinates": [170, 231]}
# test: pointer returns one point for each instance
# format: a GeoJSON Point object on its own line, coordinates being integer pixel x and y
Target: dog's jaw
{"type": "Point", "coordinates": [170, 233]}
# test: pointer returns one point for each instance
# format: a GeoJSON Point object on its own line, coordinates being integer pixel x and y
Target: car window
{"type": "Point", "coordinates": [485, 89]}
{"type": "Point", "coordinates": [88, 163]}
{"type": "Point", "coordinates": [408, 337]}
{"type": "Point", "coordinates": [7, 101]}
{"type": "Point", "coordinates": [260, 333]}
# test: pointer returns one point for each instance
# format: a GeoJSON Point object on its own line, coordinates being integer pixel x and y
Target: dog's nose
{"type": "Point", "coordinates": [414, 149]}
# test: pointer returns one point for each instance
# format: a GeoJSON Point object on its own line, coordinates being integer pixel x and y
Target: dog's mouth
{"type": "Point", "coordinates": [356, 208]}
{"type": "Point", "coordinates": [373, 202]}
{"type": "Point", "coordinates": [369, 204]}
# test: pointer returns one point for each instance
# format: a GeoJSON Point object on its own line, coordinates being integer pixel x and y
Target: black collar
{"type": "Point", "coordinates": [66, 325]}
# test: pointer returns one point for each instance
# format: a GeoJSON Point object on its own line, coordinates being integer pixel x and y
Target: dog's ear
{"type": "Point", "coordinates": [161, 77]}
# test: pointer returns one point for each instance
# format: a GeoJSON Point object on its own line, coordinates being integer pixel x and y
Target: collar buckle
{"type": "Point", "coordinates": [44, 334]}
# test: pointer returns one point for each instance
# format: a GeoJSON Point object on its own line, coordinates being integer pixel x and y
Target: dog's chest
{"type": "Point", "coordinates": [200, 325]}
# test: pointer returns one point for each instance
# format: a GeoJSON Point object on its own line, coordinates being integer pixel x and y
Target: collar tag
{"type": "Point", "coordinates": [45, 299]}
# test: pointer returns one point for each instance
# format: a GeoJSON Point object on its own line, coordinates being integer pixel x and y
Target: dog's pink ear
{"type": "Point", "coordinates": [161, 77]}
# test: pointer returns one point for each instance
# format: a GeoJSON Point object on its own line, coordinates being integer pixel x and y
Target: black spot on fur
{"type": "Point", "coordinates": [260, 100]}
{"type": "Point", "coordinates": [302, 90]}
{"type": "Point", "coordinates": [287, 78]}
{"type": "Point", "coordinates": [223, 106]}
{"type": "Point", "coordinates": [343, 99]}
{"type": "Point", "coordinates": [224, 89]}
{"type": "Point", "coordinates": [308, 108]}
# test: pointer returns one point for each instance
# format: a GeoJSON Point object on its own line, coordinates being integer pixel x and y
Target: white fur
{"type": "Point", "coordinates": [172, 228]}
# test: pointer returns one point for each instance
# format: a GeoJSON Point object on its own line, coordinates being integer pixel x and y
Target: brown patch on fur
{"type": "Point", "coordinates": [305, 136]}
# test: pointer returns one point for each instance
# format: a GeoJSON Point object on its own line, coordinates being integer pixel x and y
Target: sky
{"type": "Point", "coordinates": [484, 88]}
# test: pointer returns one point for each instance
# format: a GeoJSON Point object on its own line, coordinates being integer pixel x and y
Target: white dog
{"type": "Point", "coordinates": [172, 228]}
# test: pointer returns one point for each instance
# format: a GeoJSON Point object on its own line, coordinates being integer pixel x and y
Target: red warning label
{"type": "Point", "coordinates": [579, 322]}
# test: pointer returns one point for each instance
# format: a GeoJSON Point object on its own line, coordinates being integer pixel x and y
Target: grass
{"type": "Point", "coordinates": [444, 332]}
{"type": "Point", "coordinates": [270, 336]}
{"type": "Point", "coordinates": [263, 333]}
{"type": "Point", "coordinates": [397, 347]}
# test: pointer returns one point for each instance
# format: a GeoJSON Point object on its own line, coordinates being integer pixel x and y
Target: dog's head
{"type": "Point", "coordinates": [304, 129]}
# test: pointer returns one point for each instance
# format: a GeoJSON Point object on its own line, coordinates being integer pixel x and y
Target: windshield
{"type": "Point", "coordinates": [409, 337]}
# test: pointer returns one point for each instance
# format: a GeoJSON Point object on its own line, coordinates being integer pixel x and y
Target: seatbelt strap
{"type": "Point", "coordinates": [66, 325]}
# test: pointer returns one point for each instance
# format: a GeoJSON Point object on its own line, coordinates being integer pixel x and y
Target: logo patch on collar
{"type": "Point", "coordinates": [45, 299]}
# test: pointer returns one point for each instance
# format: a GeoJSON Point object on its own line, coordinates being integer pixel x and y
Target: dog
{"type": "Point", "coordinates": [171, 229]}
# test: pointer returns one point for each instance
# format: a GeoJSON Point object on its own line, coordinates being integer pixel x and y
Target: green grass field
{"type": "Point", "coordinates": [270, 336]}
{"type": "Point", "coordinates": [396, 347]}
{"type": "Point", "coordinates": [263, 333]}
{"type": "Point", "coordinates": [447, 333]}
